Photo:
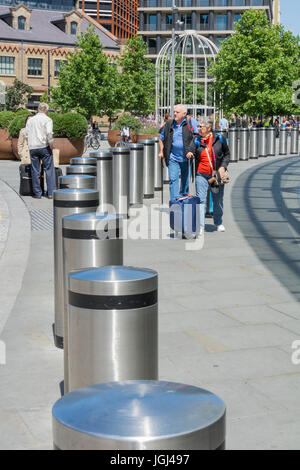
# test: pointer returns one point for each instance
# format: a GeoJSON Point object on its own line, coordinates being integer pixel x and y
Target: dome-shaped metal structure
{"type": "Point", "coordinates": [193, 54]}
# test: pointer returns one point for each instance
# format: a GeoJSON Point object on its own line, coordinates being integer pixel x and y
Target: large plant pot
{"type": "Point", "coordinates": [6, 152]}
{"type": "Point", "coordinates": [68, 149]}
{"type": "Point", "coordinates": [114, 136]}
{"type": "Point", "coordinates": [14, 144]}
{"type": "Point", "coordinates": [145, 136]}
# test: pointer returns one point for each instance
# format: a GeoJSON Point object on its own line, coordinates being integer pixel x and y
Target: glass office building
{"type": "Point", "coordinates": [61, 5]}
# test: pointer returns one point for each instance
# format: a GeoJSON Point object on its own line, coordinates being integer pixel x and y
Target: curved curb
{"type": "Point", "coordinates": [13, 261]}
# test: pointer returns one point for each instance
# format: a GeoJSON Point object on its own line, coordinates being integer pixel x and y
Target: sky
{"type": "Point", "coordinates": [290, 15]}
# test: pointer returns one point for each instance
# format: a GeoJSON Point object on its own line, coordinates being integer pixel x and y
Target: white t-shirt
{"type": "Point", "coordinates": [39, 131]}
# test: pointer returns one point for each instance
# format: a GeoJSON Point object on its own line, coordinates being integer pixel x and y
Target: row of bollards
{"type": "Point", "coordinates": [106, 319]}
{"type": "Point", "coordinates": [245, 144]}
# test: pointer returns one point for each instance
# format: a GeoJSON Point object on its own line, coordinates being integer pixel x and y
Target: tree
{"type": "Point", "coordinates": [256, 67]}
{"type": "Point", "coordinates": [88, 82]}
{"type": "Point", "coordinates": [137, 78]}
{"type": "Point", "coordinates": [17, 95]}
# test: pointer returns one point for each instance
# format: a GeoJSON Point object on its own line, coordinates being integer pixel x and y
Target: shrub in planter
{"type": "Point", "coordinates": [5, 119]}
{"type": "Point", "coordinates": [5, 141]}
{"type": "Point", "coordinates": [127, 120]}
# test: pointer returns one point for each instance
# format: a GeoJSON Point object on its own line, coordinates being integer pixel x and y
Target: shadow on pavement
{"type": "Point", "coordinates": [265, 204]}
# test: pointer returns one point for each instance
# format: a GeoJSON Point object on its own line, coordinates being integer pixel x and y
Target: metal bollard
{"type": "Point", "coordinates": [238, 142]}
{"type": "Point", "coordinates": [244, 145]}
{"type": "Point", "coordinates": [83, 161]}
{"type": "Point", "coordinates": [294, 142]}
{"type": "Point", "coordinates": [81, 170]}
{"type": "Point", "coordinates": [262, 142]}
{"type": "Point", "coordinates": [66, 202]}
{"type": "Point", "coordinates": [253, 142]}
{"type": "Point", "coordinates": [271, 141]}
{"type": "Point", "coordinates": [89, 240]}
{"type": "Point", "coordinates": [112, 325]}
{"type": "Point", "coordinates": [104, 180]}
{"type": "Point", "coordinates": [121, 157]}
{"type": "Point", "coordinates": [165, 173]}
{"type": "Point", "coordinates": [136, 174]}
{"type": "Point", "coordinates": [157, 166]}
{"type": "Point", "coordinates": [77, 182]}
{"type": "Point", "coordinates": [139, 415]}
{"type": "Point", "coordinates": [148, 168]}
{"type": "Point", "coordinates": [233, 144]}
{"type": "Point", "coordinates": [283, 135]}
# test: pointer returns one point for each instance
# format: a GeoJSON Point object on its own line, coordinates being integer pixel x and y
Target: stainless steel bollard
{"type": "Point", "coordinates": [121, 158]}
{"type": "Point", "coordinates": [283, 135]}
{"type": "Point", "coordinates": [105, 180]}
{"type": "Point", "coordinates": [253, 142]}
{"type": "Point", "coordinates": [294, 142]}
{"type": "Point", "coordinates": [112, 325]}
{"type": "Point", "coordinates": [238, 142]}
{"type": "Point", "coordinates": [89, 240]}
{"type": "Point", "coordinates": [139, 415]}
{"type": "Point", "coordinates": [83, 161]}
{"type": "Point", "coordinates": [148, 168]}
{"type": "Point", "coordinates": [271, 141]}
{"type": "Point", "coordinates": [66, 202]}
{"type": "Point", "coordinates": [136, 165]}
{"type": "Point", "coordinates": [81, 170]}
{"type": "Point", "coordinates": [262, 142]}
{"type": "Point", "coordinates": [165, 173]}
{"type": "Point", "coordinates": [244, 145]}
{"type": "Point", "coordinates": [157, 166]}
{"type": "Point", "coordinates": [233, 144]}
{"type": "Point", "coordinates": [77, 182]}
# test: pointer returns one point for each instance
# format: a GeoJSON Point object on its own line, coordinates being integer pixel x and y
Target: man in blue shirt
{"type": "Point", "coordinates": [175, 139]}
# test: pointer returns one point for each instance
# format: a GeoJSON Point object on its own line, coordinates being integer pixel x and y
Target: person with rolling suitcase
{"type": "Point", "coordinates": [39, 134]}
{"type": "Point", "coordinates": [212, 157]}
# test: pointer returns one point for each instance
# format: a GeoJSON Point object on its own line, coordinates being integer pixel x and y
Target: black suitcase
{"type": "Point", "coordinates": [25, 180]}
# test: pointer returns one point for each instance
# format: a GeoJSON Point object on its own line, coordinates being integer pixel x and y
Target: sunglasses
{"type": "Point", "coordinates": [201, 126]}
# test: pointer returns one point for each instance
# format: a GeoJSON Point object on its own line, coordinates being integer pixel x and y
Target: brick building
{"type": "Point", "coordinates": [33, 44]}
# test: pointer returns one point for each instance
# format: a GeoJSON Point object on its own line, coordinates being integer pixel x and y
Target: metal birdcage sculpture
{"type": "Point", "coordinates": [191, 55]}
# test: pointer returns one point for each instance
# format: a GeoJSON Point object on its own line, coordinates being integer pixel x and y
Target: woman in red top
{"type": "Point", "coordinates": [211, 153]}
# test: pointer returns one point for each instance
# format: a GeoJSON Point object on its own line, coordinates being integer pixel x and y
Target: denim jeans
{"type": "Point", "coordinates": [175, 168]}
{"type": "Point", "coordinates": [44, 154]}
{"type": "Point", "coordinates": [201, 191]}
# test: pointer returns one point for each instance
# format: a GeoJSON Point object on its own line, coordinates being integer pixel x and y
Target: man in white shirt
{"type": "Point", "coordinates": [39, 134]}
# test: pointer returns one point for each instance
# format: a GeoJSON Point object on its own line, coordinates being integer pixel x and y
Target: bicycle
{"type": "Point", "coordinates": [93, 139]}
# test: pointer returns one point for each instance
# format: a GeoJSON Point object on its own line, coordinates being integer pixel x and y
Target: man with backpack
{"type": "Point", "coordinates": [175, 140]}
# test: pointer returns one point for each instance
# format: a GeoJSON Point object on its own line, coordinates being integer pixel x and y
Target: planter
{"type": "Point", "coordinates": [146, 136]}
{"type": "Point", "coordinates": [14, 144]}
{"type": "Point", "coordinates": [6, 152]}
{"type": "Point", "coordinates": [68, 149]}
{"type": "Point", "coordinates": [114, 136]}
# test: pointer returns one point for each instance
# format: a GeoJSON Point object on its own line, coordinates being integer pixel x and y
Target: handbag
{"type": "Point", "coordinates": [216, 179]}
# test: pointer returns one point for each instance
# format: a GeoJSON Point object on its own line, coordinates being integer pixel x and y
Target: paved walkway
{"type": "Point", "coordinates": [228, 314]}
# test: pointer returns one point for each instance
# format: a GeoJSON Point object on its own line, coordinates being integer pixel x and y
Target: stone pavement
{"type": "Point", "coordinates": [228, 313]}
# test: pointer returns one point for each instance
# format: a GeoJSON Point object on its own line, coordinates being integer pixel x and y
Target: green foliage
{"type": "Point", "coordinates": [88, 82]}
{"type": "Point", "coordinates": [23, 111]}
{"type": "Point", "coordinates": [17, 95]}
{"type": "Point", "coordinates": [5, 119]}
{"type": "Point", "coordinates": [16, 125]}
{"type": "Point", "coordinates": [69, 125]}
{"type": "Point", "coordinates": [184, 91]}
{"type": "Point", "coordinates": [256, 67]}
{"type": "Point", "coordinates": [137, 79]}
{"type": "Point", "coordinates": [127, 120]}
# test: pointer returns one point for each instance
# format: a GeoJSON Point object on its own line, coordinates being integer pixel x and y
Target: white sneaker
{"type": "Point", "coordinates": [200, 234]}
{"type": "Point", "coordinates": [220, 228]}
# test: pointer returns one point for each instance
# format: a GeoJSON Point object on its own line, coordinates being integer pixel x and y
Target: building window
{"type": "Point", "coordinates": [236, 17]}
{"type": "Point", "coordinates": [21, 22]}
{"type": "Point", "coordinates": [238, 3]}
{"type": "Point", "coordinates": [7, 65]}
{"type": "Point", "coordinates": [152, 22]}
{"type": "Point", "coordinates": [204, 21]}
{"type": "Point", "coordinates": [73, 27]}
{"type": "Point", "coordinates": [221, 3]}
{"type": "Point", "coordinates": [187, 20]}
{"type": "Point", "coordinates": [152, 45]}
{"type": "Point", "coordinates": [221, 22]}
{"type": "Point", "coordinates": [35, 67]}
{"type": "Point", "coordinates": [256, 3]}
{"type": "Point", "coordinates": [57, 65]}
